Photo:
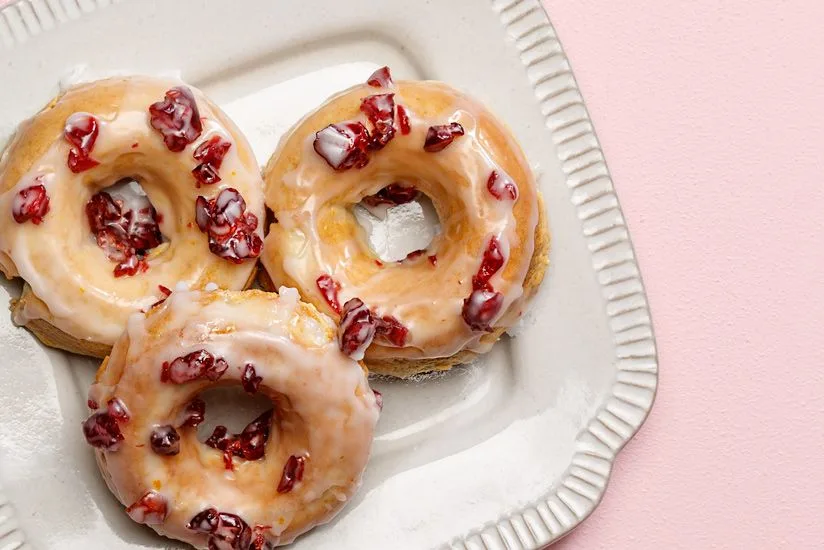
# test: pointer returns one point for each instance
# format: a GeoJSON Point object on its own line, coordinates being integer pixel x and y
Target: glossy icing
{"type": "Point", "coordinates": [325, 412]}
{"type": "Point", "coordinates": [70, 276]}
{"type": "Point", "coordinates": [317, 235]}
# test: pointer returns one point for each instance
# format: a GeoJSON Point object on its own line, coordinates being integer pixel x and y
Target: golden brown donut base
{"type": "Point", "coordinates": [404, 368]}
{"type": "Point", "coordinates": [53, 337]}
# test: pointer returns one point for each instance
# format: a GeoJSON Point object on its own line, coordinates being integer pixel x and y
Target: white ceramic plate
{"type": "Point", "coordinates": [510, 452]}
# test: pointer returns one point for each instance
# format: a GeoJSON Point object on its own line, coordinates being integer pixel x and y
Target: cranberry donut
{"type": "Point", "coordinates": [117, 191]}
{"type": "Point", "coordinates": [384, 143]}
{"type": "Point", "coordinates": [246, 491]}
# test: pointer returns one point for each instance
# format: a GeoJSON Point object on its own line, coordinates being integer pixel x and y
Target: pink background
{"type": "Point", "coordinates": [710, 114]}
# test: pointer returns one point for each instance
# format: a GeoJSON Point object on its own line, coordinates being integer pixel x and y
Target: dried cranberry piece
{"type": "Point", "coordinates": [124, 236]}
{"type": "Point", "coordinates": [92, 404]}
{"type": "Point", "coordinates": [357, 329]}
{"type": "Point", "coordinates": [380, 110]}
{"type": "Point", "coordinates": [205, 521]}
{"type": "Point", "coordinates": [292, 473]}
{"type": "Point", "coordinates": [439, 137]}
{"type": "Point", "coordinates": [481, 308]}
{"type": "Point", "coordinates": [210, 154]}
{"type": "Point", "coordinates": [31, 203]}
{"type": "Point", "coordinates": [253, 438]}
{"type": "Point", "coordinates": [493, 260]}
{"type": "Point", "coordinates": [177, 118]}
{"type": "Point", "coordinates": [381, 78]}
{"type": "Point", "coordinates": [132, 265]}
{"type": "Point", "coordinates": [81, 132]}
{"type": "Point", "coordinates": [150, 509]}
{"type": "Point", "coordinates": [250, 444]}
{"type": "Point", "coordinates": [391, 330]}
{"type": "Point", "coordinates": [343, 146]}
{"type": "Point", "coordinates": [414, 254]}
{"type": "Point", "coordinates": [433, 259]}
{"type": "Point", "coordinates": [193, 414]}
{"type": "Point", "coordinates": [329, 287]}
{"type": "Point", "coordinates": [231, 230]}
{"type": "Point", "coordinates": [249, 379]}
{"type": "Point", "coordinates": [118, 410]}
{"type": "Point", "coordinates": [378, 399]}
{"type": "Point", "coordinates": [231, 533]}
{"type": "Point", "coordinates": [501, 186]}
{"type": "Point", "coordinates": [166, 292]}
{"type": "Point", "coordinates": [165, 440]}
{"type": "Point", "coordinates": [101, 431]}
{"type": "Point", "coordinates": [393, 194]}
{"type": "Point", "coordinates": [193, 366]}
{"type": "Point", "coordinates": [403, 120]}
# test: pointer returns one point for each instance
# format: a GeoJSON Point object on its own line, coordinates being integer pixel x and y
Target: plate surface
{"type": "Point", "coordinates": [510, 452]}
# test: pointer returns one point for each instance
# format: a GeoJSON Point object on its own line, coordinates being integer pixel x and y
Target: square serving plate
{"type": "Point", "coordinates": [510, 452]}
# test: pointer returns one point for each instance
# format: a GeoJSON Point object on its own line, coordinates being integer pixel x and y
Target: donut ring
{"type": "Point", "coordinates": [454, 299]}
{"type": "Point", "coordinates": [78, 251]}
{"type": "Point", "coordinates": [267, 490]}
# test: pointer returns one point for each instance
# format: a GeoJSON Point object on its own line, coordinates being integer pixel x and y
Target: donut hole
{"type": "Point", "coordinates": [398, 223]}
{"type": "Point", "coordinates": [125, 224]}
{"type": "Point", "coordinates": [231, 407]}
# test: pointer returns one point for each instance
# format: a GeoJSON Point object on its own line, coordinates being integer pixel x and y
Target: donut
{"type": "Point", "coordinates": [116, 192]}
{"type": "Point", "coordinates": [245, 491]}
{"type": "Point", "coordinates": [385, 143]}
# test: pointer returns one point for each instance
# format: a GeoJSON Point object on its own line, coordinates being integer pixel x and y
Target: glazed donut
{"type": "Point", "coordinates": [91, 250]}
{"type": "Point", "coordinates": [245, 491]}
{"type": "Point", "coordinates": [384, 143]}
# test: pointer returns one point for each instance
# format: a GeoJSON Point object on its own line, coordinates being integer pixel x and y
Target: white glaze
{"type": "Point", "coordinates": [68, 273]}
{"type": "Point", "coordinates": [331, 417]}
{"type": "Point", "coordinates": [431, 301]}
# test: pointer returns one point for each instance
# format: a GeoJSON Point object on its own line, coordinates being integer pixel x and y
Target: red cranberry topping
{"type": "Point", "coordinates": [125, 235]}
{"type": "Point", "coordinates": [433, 259]}
{"type": "Point", "coordinates": [381, 78]}
{"type": "Point", "coordinates": [260, 542]}
{"type": "Point", "coordinates": [414, 254]}
{"type": "Point", "coordinates": [193, 414]}
{"type": "Point", "coordinates": [249, 379]}
{"type": "Point", "coordinates": [210, 154]}
{"type": "Point", "coordinates": [205, 521]}
{"type": "Point", "coordinates": [165, 440]}
{"type": "Point", "coordinates": [380, 110]}
{"type": "Point", "coordinates": [81, 132]}
{"type": "Point", "coordinates": [176, 118]}
{"type": "Point", "coordinates": [393, 194]}
{"type": "Point", "coordinates": [378, 399]}
{"type": "Point", "coordinates": [193, 366]}
{"type": "Point", "coordinates": [31, 203]}
{"type": "Point", "coordinates": [481, 308]}
{"type": "Point", "coordinates": [343, 146]}
{"type": "Point", "coordinates": [391, 330]}
{"type": "Point", "coordinates": [101, 431]}
{"type": "Point", "coordinates": [92, 404]}
{"type": "Point", "coordinates": [166, 292]}
{"type": "Point", "coordinates": [403, 120]}
{"type": "Point", "coordinates": [501, 186]}
{"type": "Point", "coordinates": [357, 329]}
{"type": "Point", "coordinates": [329, 287]}
{"type": "Point", "coordinates": [231, 229]}
{"type": "Point", "coordinates": [438, 137]}
{"type": "Point", "coordinates": [150, 509]}
{"type": "Point", "coordinates": [250, 444]}
{"type": "Point", "coordinates": [492, 261]}
{"type": "Point", "coordinates": [226, 531]}
{"type": "Point", "coordinates": [292, 473]}
{"type": "Point", "coordinates": [118, 410]}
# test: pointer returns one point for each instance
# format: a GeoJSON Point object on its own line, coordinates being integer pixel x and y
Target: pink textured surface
{"type": "Point", "coordinates": [711, 120]}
